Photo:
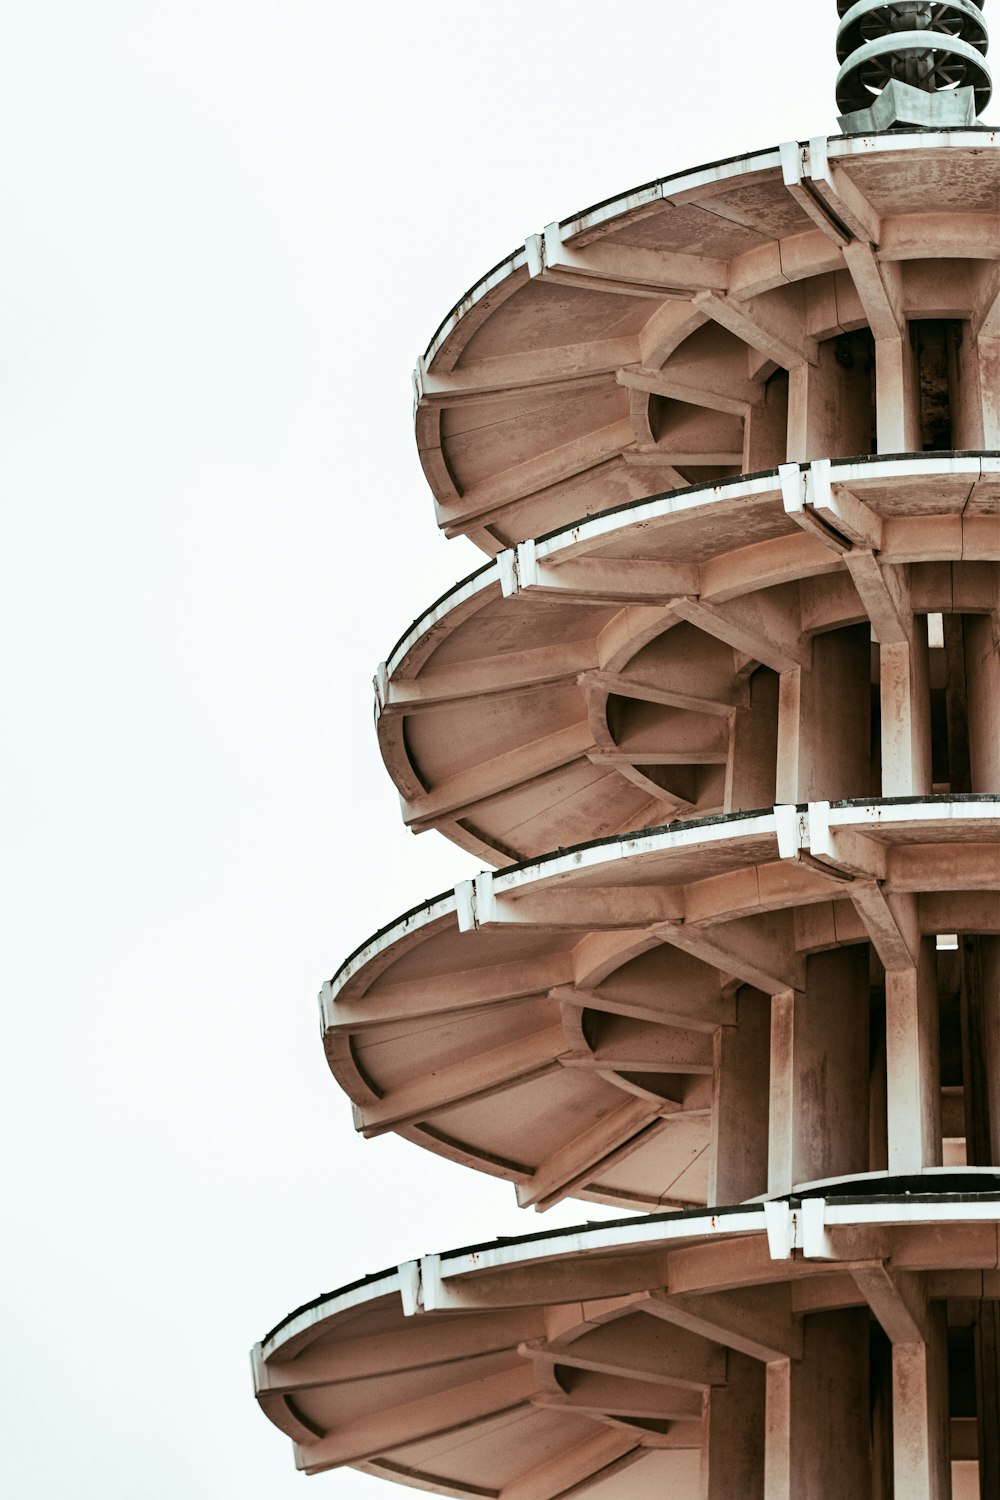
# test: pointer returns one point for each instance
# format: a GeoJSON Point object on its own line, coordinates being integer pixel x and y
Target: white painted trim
{"type": "Point", "coordinates": [604, 526]}
{"type": "Point", "coordinates": [330, 1307]}
{"type": "Point", "coordinates": [788, 827]}
{"type": "Point", "coordinates": [787, 1229]}
{"type": "Point", "coordinates": [403, 927]}
{"type": "Point", "coordinates": [446, 605]}
{"type": "Point", "coordinates": [667, 189]}
{"type": "Point", "coordinates": [507, 267]}
{"type": "Point", "coordinates": [657, 841]}
{"type": "Point", "coordinates": [597, 1239]}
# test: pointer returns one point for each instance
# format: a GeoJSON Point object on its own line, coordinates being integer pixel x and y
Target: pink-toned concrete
{"type": "Point", "coordinates": [724, 713]}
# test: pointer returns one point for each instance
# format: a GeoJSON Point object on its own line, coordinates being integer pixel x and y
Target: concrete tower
{"type": "Point", "coordinates": [722, 710]}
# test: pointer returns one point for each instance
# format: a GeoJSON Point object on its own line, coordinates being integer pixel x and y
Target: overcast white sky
{"type": "Point", "coordinates": [229, 227]}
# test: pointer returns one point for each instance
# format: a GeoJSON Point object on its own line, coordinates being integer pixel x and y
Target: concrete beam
{"type": "Point", "coordinates": [485, 677]}
{"type": "Point", "coordinates": [892, 923]}
{"type": "Point", "coordinates": [754, 950]}
{"type": "Point", "coordinates": [575, 1164]}
{"type": "Point", "coordinates": [457, 795]}
{"type": "Point", "coordinates": [639, 1349]}
{"type": "Point", "coordinates": [774, 335]}
{"type": "Point", "coordinates": [489, 498]}
{"type": "Point", "coordinates": [758, 625]}
{"type": "Point", "coordinates": [411, 999]}
{"type": "Point", "coordinates": [607, 1395]}
{"type": "Point", "coordinates": [628, 270]}
{"type": "Point", "coordinates": [756, 1322]}
{"type": "Point", "coordinates": [737, 403]}
{"type": "Point", "coordinates": [480, 904]}
{"type": "Point", "coordinates": [879, 285]}
{"type": "Point", "coordinates": [626, 686]}
{"type": "Point", "coordinates": [418, 1347]}
{"type": "Point", "coordinates": [567, 367]}
{"type": "Point", "coordinates": [595, 581]}
{"type": "Point", "coordinates": [443, 1412]}
{"type": "Point", "coordinates": [885, 594]}
{"type": "Point", "coordinates": [477, 1077]}
{"type": "Point", "coordinates": [599, 1456]}
{"type": "Point", "coordinates": [899, 1301]}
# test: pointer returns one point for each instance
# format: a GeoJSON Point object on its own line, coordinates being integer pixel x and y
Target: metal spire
{"type": "Point", "coordinates": [910, 62]}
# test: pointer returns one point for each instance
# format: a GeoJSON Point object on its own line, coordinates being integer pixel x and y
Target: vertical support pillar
{"type": "Point", "coordinates": [988, 1398]}
{"type": "Point", "coordinates": [967, 425]}
{"type": "Point", "coordinates": [906, 715]}
{"type": "Point", "coordinates": [765, 431]}
{"type": "Point", "coordinates": [878, 1091]}
{"type": "Point", "coordinates": [817, 1423]}
{"type": "Point", "coordinates": [989, 380]}
{"type": "Point", "coordinates": [738, 1162]}
{"type": "Point", "coordinates": [753, 747]}
{"type": "Point", "coordinates": [913, 1064]}
{"type": "Point", "coordinates": [819, 1073]}
{"type": "Point", "coordinates": [957, 705]}
{"type": "Point", "coordinates": [798, 415]}
{"type": "Point", "coordinates": [981, 1050]}
{"type": "Point", "coordinates": [830, 402]}
{"type": "Point", "coordinates": [920, 1427]}
{"type": "Point", "coordinates": [897, 405]}
{"type": "Point", "coordinates": [781, 1134]}
{"type": "Point", "coordinates": [982, 666]}
{"type": "Point", "coordinates": [732, 1453]}
{"type": "Point", "coordinates": [989, 953]}
{"type": "Point", "coordinates": [824, 721]}
{"type": "Point", "coordinates": [880, 1365]}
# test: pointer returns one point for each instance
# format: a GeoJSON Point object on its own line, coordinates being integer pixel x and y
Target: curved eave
{"type": "Point", "coordinates": [452, 701]}
{"type": "Point", "coordinates": [552, 1023]}
{"type": "Point", "coordinates": [565, 339]}
{"type": "Point", "coordinates": [583, 1338]}
{"type": "Point", "coordinates": [690, 180]}
{"type": "Point", "coordinates": [620, 523]}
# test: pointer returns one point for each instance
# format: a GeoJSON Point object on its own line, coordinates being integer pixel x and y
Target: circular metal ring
{"type": "Point", "coordinates": [843, 6]}
{"type": "Point", "coordinates": [866, 20]}
{"type": "Point", "coordinates": [944, 63]}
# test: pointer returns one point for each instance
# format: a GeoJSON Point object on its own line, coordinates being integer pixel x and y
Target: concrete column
{"type": "Point", "coordinates": [989, 951]}
{"type": "Point", "coordinates": [981, 1057]}
{"type": "Point", "coordinates": [967, 426]}
{"type": "Point", "coordinates": [957, 704]}
{"type": "Point", "coordinates": [738, 1161]}
{"type": "Point", "coordinates": [824, 721]}
{"type": "Point", "coordinates": [913, 1064]}
{"type": "Point", "coordinates": [981, 1048]}
{"type": "Point", "coordinates": [897, 397]}
{"type": "Point", "coordinates": [830, 403]}
{"type": "Point", "coordinates": [988, 1398]}
{"type": "Point", "coordinates": [982, 668]}
{"type": "Point", "coordinates": [765, 430]}
{"type": "Point", "coordinates": [989, 378]}
{"type": "Point", "coordinates": [906, 715]}
{"type": "Point", "coordinates": [880, 1365]}
{"type": "Point", "coordinates": [732, 1454]}
{"type": "Point", "coordinates": [819, 1073]}
{"type": "Point", "coordinates": [920, 1425]}
{"type": "Point", "coordinates": [818, 1444]}
{"type": "Point", "coordinates": [753, 747]}
{"type": "Point", "coordinates": [878, 1105]}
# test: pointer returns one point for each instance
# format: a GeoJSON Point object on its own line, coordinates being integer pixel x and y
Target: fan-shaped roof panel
{"type": "Point", "coordinates": [642, 344]}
